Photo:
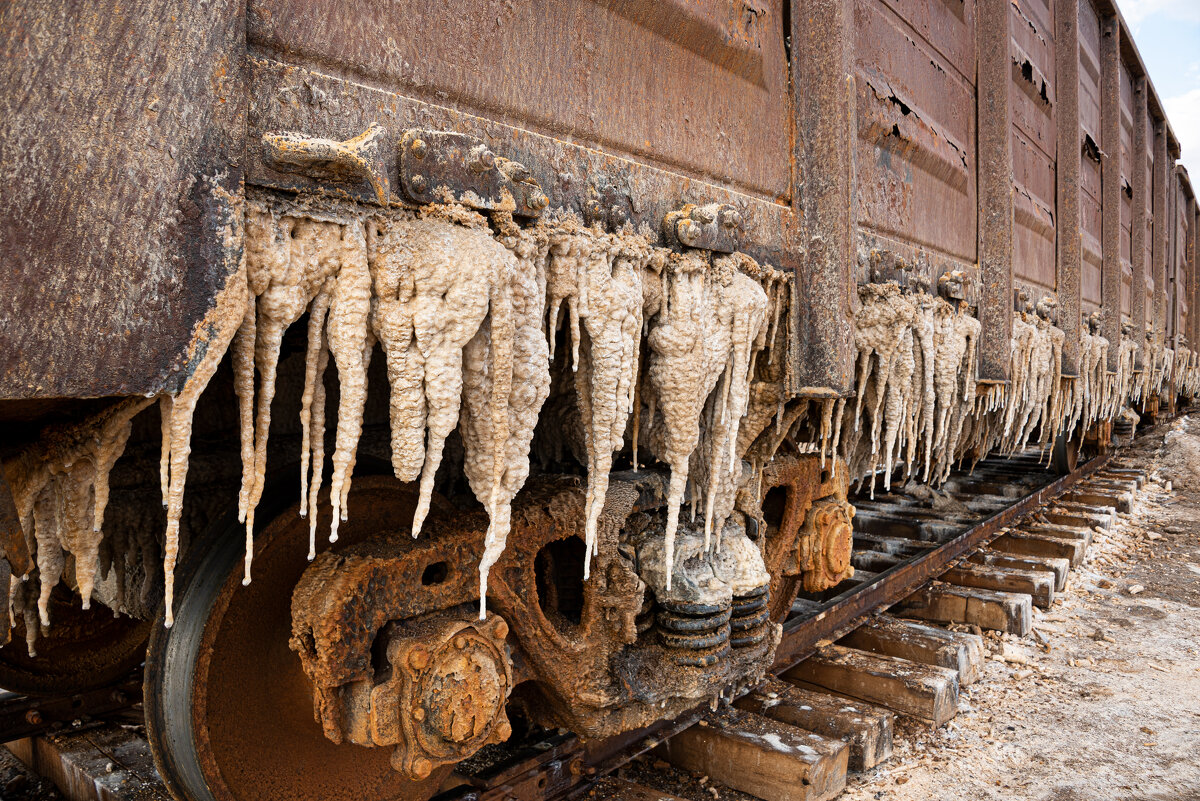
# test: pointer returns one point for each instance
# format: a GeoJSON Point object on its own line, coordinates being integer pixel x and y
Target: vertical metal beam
{"type": "Point", "coordinates": [1110, 186]}
{"type": "Point", "coordinates": [826, 131]}
{"type": "Point", "coordinates": [994, 132]}
{"type": "Point", "coordinates": [1159, 255]}
{"type": "Point", "coordinates": [1194, 309]}
{"type": "Point", "coordinates": [1137, 249]}
{"type": "Point", "coordinates": [1070, 247]}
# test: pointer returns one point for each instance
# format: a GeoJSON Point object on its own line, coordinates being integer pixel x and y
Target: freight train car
{"type": "Point", "coordinates": [580, 324]}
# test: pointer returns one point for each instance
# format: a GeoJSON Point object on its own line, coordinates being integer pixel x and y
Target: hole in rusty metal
{"type": "Point", "coordinates": [773, 505]}
{"type": "Point", "coordinates": [559, 571]}
{"type": "Point", "coordinates": [435, 574]}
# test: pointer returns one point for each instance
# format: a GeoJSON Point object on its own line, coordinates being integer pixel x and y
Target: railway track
{"type": "Point", "coordinates": [994, 543]}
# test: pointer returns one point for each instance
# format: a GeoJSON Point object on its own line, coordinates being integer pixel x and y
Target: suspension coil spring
{"type": "Point", "coordinates": [699, 633]}
{"type": "Point", "coordinates": [750, 618]}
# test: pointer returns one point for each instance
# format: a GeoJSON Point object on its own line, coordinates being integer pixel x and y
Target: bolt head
{"type": "Point", "coordinates": [688, 231]}
{"type": "Point", "coordinates": [504, 729]}
{"type": "Point", "coordinates": [538, 201]}
{"type": "Point", "coordinates": [460, 642]}
{"type": "Point", "coordinates": [702, 215]}
{"type": "Point", "coordinates": [418, 658]}
{"type": "Point", "coordinates": [421, 768]}
{"type": "Point", "coordinates": [501, 629]}
{"type": "Point", "coordinates": [419, 184]}
{"type": "Point", "coordinates": [419, 148]}
{"type": "Point", "coordinates": [33, 717]}
{"type": "Point", "coordinates": [732, 219]}
{"type": "Point", "coordinates": [481, 159]}
{"type": "Point", "coordinates": [418, 714]}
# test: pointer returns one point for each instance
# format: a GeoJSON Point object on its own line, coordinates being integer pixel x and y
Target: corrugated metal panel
{"type": "Point", "coordinates": [1034, 146]}
{"type": "Point", "coordinates": [916, 177]}
{"type": "Point", "coordinates": [1126, 193]}
{"type": "Point", "coordinates": [1148, 256]}
{"type": "Point", "coordinates": [697, 85]}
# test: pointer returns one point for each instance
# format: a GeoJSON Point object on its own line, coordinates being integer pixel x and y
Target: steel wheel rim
{"type": "Point", "coordinates": [218, 731]}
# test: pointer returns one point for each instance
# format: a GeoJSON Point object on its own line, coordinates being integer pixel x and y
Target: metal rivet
{"type": "Point", "coordinates": [419, 148]}
{"type": "Point", "coordinates": [418, 184]}
{"type": "Point", "coordinates": [421, 767]}
{"type": "Point", "coordinates": [501, 629]}
{"type": "Point", "coordinates": [538, 201]}
{"type": "Point", "coordinates": [418, 714]}
{"type": "Point", "coordinates": [460, 642]}
{"type": "Point", "coordinates": [418, 659]}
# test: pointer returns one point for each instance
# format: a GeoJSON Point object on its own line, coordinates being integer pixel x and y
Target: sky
{"type": "Point", "coordinates": [1167, 33]}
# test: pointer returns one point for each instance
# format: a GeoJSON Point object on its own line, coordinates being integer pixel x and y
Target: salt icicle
{"type": "Point", "coordinates": [348, 331]}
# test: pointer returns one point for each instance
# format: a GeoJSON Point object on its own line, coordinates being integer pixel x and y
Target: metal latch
{"type": "Point", "coordinates": [715, 226]}
{"type": "Point", "coordinates": [441, 167]}
{"type": "Point", "coordinates": [352, 161]}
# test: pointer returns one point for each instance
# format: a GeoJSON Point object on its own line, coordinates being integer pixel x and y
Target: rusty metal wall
{"type": "Point", "coordinates": [1148, 255]}
{"type": "Point", "coordinates": [916, 176]}
{"type": "Point", "coordinates": [1127, 166]}
{"type": "Point", "coordinates": [960, 134]}
{"type": "Point", "coordinates": [1093, 145]}
{"type": "Point", "coordinates": [121, 127]}
{"type": "Point", "coordinates": [1034, 142]}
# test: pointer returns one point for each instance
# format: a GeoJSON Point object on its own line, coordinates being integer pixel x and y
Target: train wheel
{"type": "Point", "coordinates": [84, 649]}
{"type": "Point", "coordinates": [229, 711]}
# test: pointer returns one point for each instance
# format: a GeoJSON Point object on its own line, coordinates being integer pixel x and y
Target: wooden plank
{"type": "Point", "coordinates": [866, 728]}
{"type": "Point", "coordinates": [1136, 477]}
{"type": "Point", "coordinates": [1078, 533]}
{"type": "Point", "coordinates": [1038, 584]}
{"type": "Point", "coordinates": [102, 764]}
{"type": "Point", "coordinates": [1032, 544]}
{"type": "Point", "coordinates": [888, 544]}
{"type": "Point", "coordinates": [876, 561]}
{"type": "Point", "coordinates": [921, 691]}
{"type": "Point", "coordinates": [916, 642]}
{"type": "Point", "coordinates": [1103, 500]}
{"type": "Point", "coordinates": [988, 609]}
{"type": "Point", "coordinates": [757, 755]}
{"type": "Point", "coordinates": [1082, 514]}
{"type": "Point", "coordinates": [1061, 568]}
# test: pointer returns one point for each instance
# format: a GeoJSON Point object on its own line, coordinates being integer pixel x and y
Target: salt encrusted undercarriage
{"type": "Point", "coordinates": [609, 497]}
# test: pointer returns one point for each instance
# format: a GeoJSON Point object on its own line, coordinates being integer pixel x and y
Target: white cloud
{"type": "Point", "coordinates": [1184, 113]}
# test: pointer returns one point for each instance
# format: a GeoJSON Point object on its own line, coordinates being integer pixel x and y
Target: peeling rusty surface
{"type": "Point", "coordinates": [1140, 213]}
{"type": "Point", "coordinates": [1069, 264]}
{"type": "Point", "coordinates": [120, 123]}
{"type": "Point", "coordinates": [589, 661]}
{"type": "Point", "coordinates": [13, 547]}
{"type": "Point", "coordinates": [715, 105]}
{"type": "Point", "coordinates": [797, 489]}
{"type": "Point", "coordinates": [1110, 124]}
{"type": "Point", "coordinates": [995, 189]}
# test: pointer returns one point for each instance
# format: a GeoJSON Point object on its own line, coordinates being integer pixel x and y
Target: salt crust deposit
{"type": "Point", "coordinates": [466, 310]}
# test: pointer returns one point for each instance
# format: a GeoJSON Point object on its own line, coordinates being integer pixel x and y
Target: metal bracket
{"type": "Point", "coordinates": [1021, 301]}
{"type": "Point", "coordinates": [716, 226]}
{"type": "Point", "coordinates": [885, 265]}
{"type": "Point", "coordinates": [442, 166]}
{"type": "Point", "coordinates": [352, 161]}
{"type": "Point", "coordinates": [1047, 308]}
